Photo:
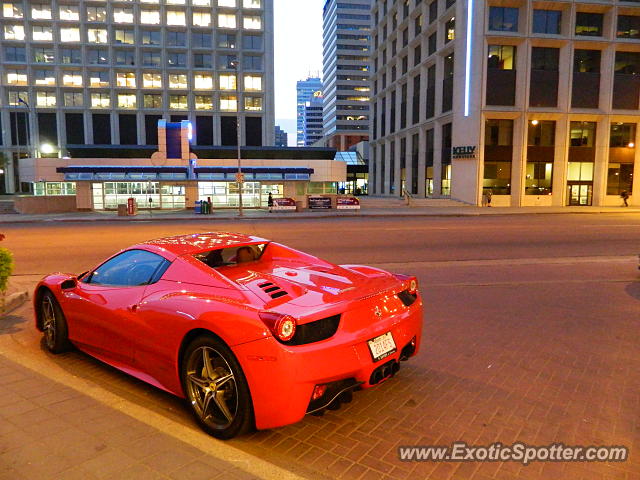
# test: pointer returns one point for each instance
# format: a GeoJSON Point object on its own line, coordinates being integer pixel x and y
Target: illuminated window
{"type": "Point", "coordinates": [201, 19]}
{"type": "Point", "coordinates": [203, 82]}
{"type": "Point", "coordinates": [96, 14]}
{"type": "Point", "coordinates": [252, 23]}
{"type": "Point", "coordinates": [125, 37]}
{"type": "Point", "coordinates": [226, 20]}
{"type": "Point", "coordinates": [152, 101]}
{"type": "Point", "coordinates": [228, 103]}
{"type": "Point", "coordinates": [44, 78]}
{"type": "Point", "coordinates": [70, 13]}
{"type": "Point", "coordinates": [126, 100]}
{"type": "Point", "coordinates": [73, 99]}
{"type": "Point", "coordinates": [100, 100]}
{"type": "Point", "coordinates": [122, 15]}
{"type": "Point", "coordinates": [252, 82]}
{"type": "Point", "coordinates": [12, 10]}
{"type": "Point", "coordinates": [16, 77]}
{"type": "Point", "coordinates": [177, 81]}
{"type": "Point", "coordinates": [41, 11]}
{"type": "Point", "coordinates": [203, 102]}
{"type": "Point", "coordinates": [126, 79]}
{"type": "Point", "coordinates": [72, 79]}
{"type": "Point", "coordinates": [42, 34]}
{"type": "Point", "coordinates": [43, 55]}
{"type": "Point", "coordinates": [45, 99]}
{"type": "Point", "coordinates": [178, 102]}
{"type": "Point", "coordinates": [15, 97]}
{"type": "Point", "coordinates": [226, 3]}
{"type": "Point", "coordinates": [71, 34]}
{"type": "Point", "coordinates": [253, 104]}
{"type": "Point", "coordinates": [175, 17]}
{"type": "Point", "coordinates": [176, 2]}
{"type": "Point", "coordinates": [14, 32]}
{"type": "Point", "coordinates": [201, 3]}
{"type": "Point", "coordinates": [99, 79]}
{"type": "Point", "coordinates": [228, 81]}
{"type": "Point", "coordinates": [151, 80]}
{"type": "Point", "coordinates": [97, 35]}
{"type": "Point", "coordinates": [150, 1]}
{"type": "Point", "coordinates": [252, 3]}
{"type": "Point", "coordinates": [150, 17]}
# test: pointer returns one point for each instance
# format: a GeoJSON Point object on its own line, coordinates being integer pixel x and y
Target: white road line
{"type": "Point", "coordinates": [511, 262]}
{"type": "Point", "coordinates": [256, 466]}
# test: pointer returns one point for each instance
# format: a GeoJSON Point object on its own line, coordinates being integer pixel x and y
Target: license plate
{"type": "Point", "coordinates": [382, 346]}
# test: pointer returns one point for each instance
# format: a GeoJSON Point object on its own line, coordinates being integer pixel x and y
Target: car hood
{"type": "Point", "coordinates": [280, 284]}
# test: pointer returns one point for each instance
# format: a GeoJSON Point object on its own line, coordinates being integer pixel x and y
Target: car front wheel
{"type": "Point", "coordinates": [54, 325]}
{"type": "Point", "coordinates": [216, 388]}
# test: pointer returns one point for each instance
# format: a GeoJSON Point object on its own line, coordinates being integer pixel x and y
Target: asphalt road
{"type": "Point", "coordinates": [531, 334]}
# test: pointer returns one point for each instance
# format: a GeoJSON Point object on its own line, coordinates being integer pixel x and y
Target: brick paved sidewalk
{"type": "Point", "coordinates": [50, 431]}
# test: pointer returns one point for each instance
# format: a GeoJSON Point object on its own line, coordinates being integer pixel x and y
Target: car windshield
{"type": "Point", "coordinates": [225, 257]}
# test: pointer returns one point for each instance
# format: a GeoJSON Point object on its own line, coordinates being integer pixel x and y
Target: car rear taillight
{"type": "Point", "coordinates": [318, 391]}
{"type": "Point", "coordinates": [282, 326]}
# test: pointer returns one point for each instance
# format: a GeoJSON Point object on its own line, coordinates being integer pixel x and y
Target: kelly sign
{"type": "Point", "coordinates": [463, 152]}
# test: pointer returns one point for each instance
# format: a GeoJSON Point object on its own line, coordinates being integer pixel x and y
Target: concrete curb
{"type": "Point", "coordinates": [13, 301]}
{"type": "Point", "coordinates": [292, 217]}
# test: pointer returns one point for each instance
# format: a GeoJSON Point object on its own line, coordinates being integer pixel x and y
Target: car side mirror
{"type": "Point", "coordinates": [69, 284]}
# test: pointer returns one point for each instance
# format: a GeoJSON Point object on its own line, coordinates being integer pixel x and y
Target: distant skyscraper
{"type": "Point", "coordinates": [346, 46]}
{"type": "Point", "coordinates": [306, 89]}
{"type": "Point", "coordinates": [312, 127]}
{"type": "Point", "coordinates": [282, 138]}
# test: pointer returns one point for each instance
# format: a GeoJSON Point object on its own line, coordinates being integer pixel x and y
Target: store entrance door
{"type": "Point", "coordinates": [580, 194]}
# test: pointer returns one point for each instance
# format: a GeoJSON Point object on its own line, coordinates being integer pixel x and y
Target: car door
{"type": "Point", "coordinates": [103, 306]}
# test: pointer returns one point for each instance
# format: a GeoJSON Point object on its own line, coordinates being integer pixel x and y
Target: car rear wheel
{"type": "Point", "coordinates": [216, 388]}
{"type": "Point", "coordinates": [54, 325]}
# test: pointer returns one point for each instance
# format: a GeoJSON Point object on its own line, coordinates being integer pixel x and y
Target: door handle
{"type": "Point", "coordinates": [133, 308]}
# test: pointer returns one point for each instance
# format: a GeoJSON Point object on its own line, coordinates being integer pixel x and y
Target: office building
{"type": "Point", "coordinates": [534, 102]}
{"type": "Point", "coordinates": [281, 137]}
{"type": "Point", "coordinates": [306, 90]}
{"type": "Point", "coordinates": [105, 72]}
{"type": "Point", "coordinates": [346, 50]}
{"type": "Point", "coordinates": [312, 127]}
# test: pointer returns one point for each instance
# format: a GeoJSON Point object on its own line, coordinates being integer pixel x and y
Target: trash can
{"type": "Point", "coordinates": [299, 206]}
{"type": "Point", "coordinates": [197, 208]}
{"type": "Point", "coordinates": [122, 210]}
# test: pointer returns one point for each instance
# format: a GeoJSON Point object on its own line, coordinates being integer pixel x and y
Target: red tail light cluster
{"type": "Point", "coordinates": [413, 286]}
{"type": "Point", "coordinates": [282, 326]}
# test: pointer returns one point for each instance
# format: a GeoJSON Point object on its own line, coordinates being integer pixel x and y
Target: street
{"type": "Point", "coordinates": [531, 334]}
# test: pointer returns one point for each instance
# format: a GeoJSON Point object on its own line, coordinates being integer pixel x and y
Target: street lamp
{"type": "Point", "coordinates": [235, 65]}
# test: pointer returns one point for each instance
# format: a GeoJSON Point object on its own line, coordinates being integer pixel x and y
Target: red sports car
{"type": "Point", "coordinates": [252, 333]}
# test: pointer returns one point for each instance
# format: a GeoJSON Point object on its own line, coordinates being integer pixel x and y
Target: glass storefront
{"type": "Point", "coordinates": [225, 194]}
{"type": "Point", "coordinates": [108, 195]}
{"type": "Point", "coordinates": [54, 188]}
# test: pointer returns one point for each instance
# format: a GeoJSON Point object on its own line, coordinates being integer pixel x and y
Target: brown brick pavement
{"type": "Point", "coordinates": [544, 363]}
{"type": "Point", "coordinates": [50, 431]}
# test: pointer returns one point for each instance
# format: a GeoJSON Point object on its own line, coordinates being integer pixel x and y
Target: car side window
{"type": "Point", "coordinates": [129, 269]}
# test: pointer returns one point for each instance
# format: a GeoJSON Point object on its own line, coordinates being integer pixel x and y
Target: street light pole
{"type": "Point", "coordinates": [235, 65]}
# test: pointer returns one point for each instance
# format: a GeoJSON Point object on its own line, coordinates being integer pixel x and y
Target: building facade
{"type": "Point", "coordinates": [105, 72]}
{"type": "Point", "coordinates": [537, 103]}
{"type": "Point", "coordinates": [305, 91]}
{"type": "Point", "coordinates": [312, 127]}
{"type": "Point", "coordinates": [346, 49]}
{"type": "Point", "coordinates": [175, 174]}
{"type": "Point", "coordinates": [281, 137]}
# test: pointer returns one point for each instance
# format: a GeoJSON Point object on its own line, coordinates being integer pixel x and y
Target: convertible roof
{"type": "Point", "coordinates": [201, 242]}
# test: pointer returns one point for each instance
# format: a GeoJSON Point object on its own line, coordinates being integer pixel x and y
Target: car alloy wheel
{"type": "Point", "coordinates": [216, 388]}
{"type": "Point", "coordinates": [54, 325]}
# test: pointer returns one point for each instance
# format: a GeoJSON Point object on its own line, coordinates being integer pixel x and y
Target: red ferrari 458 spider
{"type": "Point", "coordinates": [252, 333]}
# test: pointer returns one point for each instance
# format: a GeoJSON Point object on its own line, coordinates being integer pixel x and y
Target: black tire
{"type": "Point", "coordinates": [218, 395]}
{"type": "Point", "coordinates": [54, 324]}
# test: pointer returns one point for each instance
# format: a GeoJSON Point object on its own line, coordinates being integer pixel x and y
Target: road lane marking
{"type": "Point", "coordinates": [13, 350]}
{"type": "Point", "coordinates": [510, 262]}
